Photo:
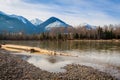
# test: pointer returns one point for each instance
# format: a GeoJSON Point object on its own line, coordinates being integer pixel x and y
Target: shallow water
{"type": "Point", "coordinates": [104, 56]}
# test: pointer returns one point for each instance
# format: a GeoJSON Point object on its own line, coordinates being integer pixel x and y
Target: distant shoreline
{"type": "Point", "coordinates": [101, 40]}
{"type": "Point", "coordinates": [90, 40]}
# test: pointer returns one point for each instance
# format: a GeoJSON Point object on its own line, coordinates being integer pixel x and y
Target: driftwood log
{"type": "Point", "coordinates": [20, 48]}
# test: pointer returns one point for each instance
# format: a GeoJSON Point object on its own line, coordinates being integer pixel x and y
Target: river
{"type": "Point", "coordinates": [104, 56]}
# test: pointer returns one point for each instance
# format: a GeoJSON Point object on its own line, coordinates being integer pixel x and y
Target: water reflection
{"type": "Point", "coordinates": [69, 45]}
{"type": "Point", "coordinates": [51, 64]}
{"type": "Point", "coordinates": [106, 61]}
{"type": "Point", "coordinates": [52, 60]}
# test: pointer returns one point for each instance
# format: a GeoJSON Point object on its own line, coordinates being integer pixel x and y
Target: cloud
{"type": "Point", "coordinates": [96, 12]}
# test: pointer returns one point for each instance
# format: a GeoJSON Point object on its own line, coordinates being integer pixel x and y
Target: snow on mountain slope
{"type": "Point", "coordinates": [2, 13]}
{"type": "Point", "coordinates": [55, 24]}
{"type": "Point", "coordinates": [20, 18]}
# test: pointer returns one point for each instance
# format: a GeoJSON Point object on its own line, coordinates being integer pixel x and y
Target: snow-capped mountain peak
{"type": "Point", "coordinates": [87, 26]}
{"type": "Point", "coordinates": [52, 22]}
{"type": "Point", "coordinates": [36, 21]}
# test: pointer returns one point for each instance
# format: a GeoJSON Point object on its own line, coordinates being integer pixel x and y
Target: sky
{"type": "Point", "coordinates": [73, 12]}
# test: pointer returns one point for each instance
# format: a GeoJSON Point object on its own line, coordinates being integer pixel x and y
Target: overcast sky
{"type": "Point", "coordinates": [74, 12]}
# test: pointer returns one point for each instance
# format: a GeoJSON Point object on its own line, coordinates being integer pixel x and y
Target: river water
{"type": "Point", "coordinates": [104, 56]}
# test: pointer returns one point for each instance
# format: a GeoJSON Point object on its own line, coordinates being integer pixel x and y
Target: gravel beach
{"type": "Point", "coordinates": [13, 67]}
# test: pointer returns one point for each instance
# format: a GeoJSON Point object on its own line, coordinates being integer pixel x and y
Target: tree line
{"type": "Point", "coordinates": [70, 33]}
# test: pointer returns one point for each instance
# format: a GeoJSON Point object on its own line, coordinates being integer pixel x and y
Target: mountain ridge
{"type": "Point", "coordinates": [15, 24]}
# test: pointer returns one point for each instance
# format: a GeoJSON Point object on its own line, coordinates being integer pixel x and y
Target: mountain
{"type": "Point", "coordinates": [36, 21]}
{"type": "Point", "coordinates": [87, 26]}
{"type": "Point", "coordinates": [16, 24]}
{"type": "Point", "coordinates": [52, 22]}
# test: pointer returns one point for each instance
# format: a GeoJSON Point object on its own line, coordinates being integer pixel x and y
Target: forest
{"type": "Point", "coordinates": [105, 32]}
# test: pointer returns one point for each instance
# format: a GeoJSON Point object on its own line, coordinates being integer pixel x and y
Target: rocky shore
{"type": "Point", "coordinates": [14, 68]}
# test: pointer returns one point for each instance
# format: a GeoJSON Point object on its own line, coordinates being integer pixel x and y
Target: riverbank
{"type": "Point", "coordinates": [13, 67]}
{"type": "Point", "coordinates": [100, 40]}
